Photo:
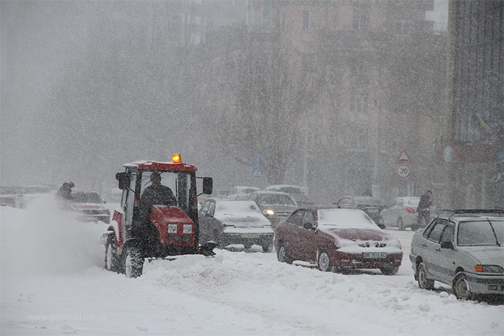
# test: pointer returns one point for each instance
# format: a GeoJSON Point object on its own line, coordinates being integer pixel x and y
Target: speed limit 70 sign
{"type": "Point", "coordinates": [403, 171]}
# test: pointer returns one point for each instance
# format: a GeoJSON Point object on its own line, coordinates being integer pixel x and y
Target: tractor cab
{"type": "Point", "coordinates": [174, 227]}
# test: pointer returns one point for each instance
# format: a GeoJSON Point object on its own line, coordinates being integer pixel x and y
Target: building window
{"type": "Point", "coordinates": [308, 21]}
{"type": "Point", "coordinates": [403, 28]}
{"type": "Point", "coordinates": [266, 16]}
{"type": "Point", "coordinates": [307, 63]}
{"type": "Point", "coordinates": [356, 137]}
{"type": "Point", "coordinates": [360, 18]}
{"type": "Point", "coordinates": [359, 106]}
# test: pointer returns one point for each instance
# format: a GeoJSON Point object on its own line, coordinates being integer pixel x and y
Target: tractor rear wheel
{"type": "Point", "coordinates": [133, 262]}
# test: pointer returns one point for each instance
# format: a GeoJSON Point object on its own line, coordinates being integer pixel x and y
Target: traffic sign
{"type": "Point", "coordinates": [403, 157]}
{"type": "Point", "coordinates": [403, 171]}
{"type": "Point", "coordinates": [258, 161]}
{"type": "Point", "coordinates": [257, 172]}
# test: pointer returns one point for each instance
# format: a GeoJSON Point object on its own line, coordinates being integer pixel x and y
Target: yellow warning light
{"type": "Point", "coordinates": [177, 158]}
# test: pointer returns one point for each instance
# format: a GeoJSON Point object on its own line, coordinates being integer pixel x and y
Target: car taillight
{"type": "Point", "coordinates": [410, 210]}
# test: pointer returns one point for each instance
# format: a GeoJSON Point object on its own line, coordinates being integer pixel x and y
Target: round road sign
{"type": "Point", "coordinates": [403, 171]}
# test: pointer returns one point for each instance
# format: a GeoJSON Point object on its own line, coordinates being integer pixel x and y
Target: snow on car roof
{"type": "Point", "coordinates": [236, 206]}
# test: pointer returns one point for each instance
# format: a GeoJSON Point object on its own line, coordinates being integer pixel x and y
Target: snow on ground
{"type": "Point", "coordinates": [53, 283]}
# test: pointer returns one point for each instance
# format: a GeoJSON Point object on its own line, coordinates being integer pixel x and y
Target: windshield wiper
{"type": "Point", "coordinates": [493, 230]}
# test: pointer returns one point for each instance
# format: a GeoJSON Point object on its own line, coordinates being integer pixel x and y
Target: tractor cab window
{"type": "Point", "coordinates": [178, 182]}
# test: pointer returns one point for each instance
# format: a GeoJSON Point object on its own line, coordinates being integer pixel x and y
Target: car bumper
{"type": "Point", "coordinates": [246, 238]}
{"type": "Point", "coordinates": [485, 284]}
{"type": "Point", "coordinates": [358, 260]}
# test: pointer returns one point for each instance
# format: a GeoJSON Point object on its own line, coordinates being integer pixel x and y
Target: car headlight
{"type": "Point", "coordinates": [172, 228]}
{"type": "Point", "coordinates": [395, 243]}
{"type": "Point", "coordinates": [187, 228]}
{"type": "Point", "coordinates": [489, 269]}
{"type": "Point", "coordinates": [269, 212]}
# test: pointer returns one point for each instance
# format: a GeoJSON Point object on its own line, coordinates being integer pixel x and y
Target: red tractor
{"type": "Point", "coordinates": [155, 227]}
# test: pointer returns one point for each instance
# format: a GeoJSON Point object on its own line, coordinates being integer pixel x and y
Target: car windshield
{"type": "Point", "coordinates": [277, 200]}
{"type": "Point", "coordinates": [80, 197]}
{"type": "Point", "coordinates": [345, 218]}
{"type": "Point", "coordinates": [478, 233]}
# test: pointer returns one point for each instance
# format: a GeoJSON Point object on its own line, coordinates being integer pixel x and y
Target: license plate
{"type": "Point", "coordinates": [372, 210]}
{"type": "Point", "coordinates": [374, 255]}
{"type": "Point", "coordinates": [250, 235]}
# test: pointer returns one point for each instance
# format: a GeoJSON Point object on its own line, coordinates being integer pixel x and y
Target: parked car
{"type": "Point", "coordinates": [274, 205]}
{"type": "Point", "coordinates": [296, 192]}
{"type": "Point", "coordinates": [241, 192]}
{"type": "Point", "coordinates": [403, 213]}
{"type": "Point", "coordinates": [462, 249]}
{"type": "Point", "coordinates": [20, 197]}
{"type": "Point", "coordinates": [235, 222]}
{"type": "Point", "coordinates": [89, 206]}
{"type": "Point", "coordinates": [337, 239]}
{"type": "Point", "coordinates": [370, 205]}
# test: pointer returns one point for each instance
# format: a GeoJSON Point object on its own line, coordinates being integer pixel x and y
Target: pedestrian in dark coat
{"type": "Point", "coordinates": [423, 208]}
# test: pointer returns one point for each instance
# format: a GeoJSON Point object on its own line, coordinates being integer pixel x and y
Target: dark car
{"type": "Point", "coordinates": [274, 205]}
{"type": "Point", "coordinates": [370, 205]}
{"type": "Point", "coordinates": [89, 206]}
{"type": "Point", "coordinates": [296, 192]}
{"type": "Point", "coordinates": [229, 222]}
{"type": "Point", "coordinates": [337, 239]}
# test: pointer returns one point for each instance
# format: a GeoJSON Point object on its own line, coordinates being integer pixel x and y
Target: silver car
{"type": "Point", "coordinates": [463, 249]}
{"type": "Point", "coordinates": [403, 213]}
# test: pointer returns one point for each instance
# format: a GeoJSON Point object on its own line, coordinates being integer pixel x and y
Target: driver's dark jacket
{"type": "Point", "coordinates": [152, 195]}
{"type": "Point", "coordinates": [156, 195]}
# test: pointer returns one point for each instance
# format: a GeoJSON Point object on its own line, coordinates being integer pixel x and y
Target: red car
{"type": "Point", "coordinates": [337, 239]}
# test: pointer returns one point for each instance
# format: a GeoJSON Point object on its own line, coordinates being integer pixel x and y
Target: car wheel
{"type": "Point", "coordinates": [282, 255]}
{"type": "Point", "coordinates": [323, 261]}
{"type": "Point", "coordinates": [111, 260]}
{"type": "Point", "coordinates": [423, 281]}
{"type": "Point", "coordinates": [400, 224]}
{"type": "Point", "coordinates": [267, 247]}
{"type": "Point", "coordinates": [133, 263]}
{"type": "Point", "coordinates": [461, 288]}
{"type": "Point", "coordinates": [389, 270]}
{"type": "Point", "coordinates": [247, 246]}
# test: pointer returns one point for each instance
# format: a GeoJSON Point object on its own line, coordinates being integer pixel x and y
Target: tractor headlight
{"type": "Point", "coordinates": [187, 228]}
{"type": "Point", "coordinates": [172, 228]}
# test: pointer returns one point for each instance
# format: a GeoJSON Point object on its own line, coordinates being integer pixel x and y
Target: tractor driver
{"type": "Point", "coordinates": [156, 194]}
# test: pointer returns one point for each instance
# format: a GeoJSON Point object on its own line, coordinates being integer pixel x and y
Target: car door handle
{"type": "Point", "coordinates": [424, 245]}
{"type": "Point", "coordinates": [438, 249]}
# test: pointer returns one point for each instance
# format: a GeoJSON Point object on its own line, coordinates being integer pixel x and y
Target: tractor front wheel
{"type": "Point", "coordinates": [133, 262]}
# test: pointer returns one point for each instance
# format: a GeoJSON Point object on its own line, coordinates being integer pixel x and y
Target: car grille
{"type": "Point", "coordinates": [372, 244]}
{"type": "Point", "coordinates": [179, 239]}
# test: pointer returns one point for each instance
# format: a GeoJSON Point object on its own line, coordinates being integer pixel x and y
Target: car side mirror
{"type": "Point", "coordinates": [308, 226]}
{"type": "Point", "coordinates": [447, 245]}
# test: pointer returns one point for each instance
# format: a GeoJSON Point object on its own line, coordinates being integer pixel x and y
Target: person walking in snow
{"type": "Point", "coordinates": [423, 208]}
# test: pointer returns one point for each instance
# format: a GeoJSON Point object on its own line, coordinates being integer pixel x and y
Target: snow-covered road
{"type": "Point", "coordinates": [53, 283]}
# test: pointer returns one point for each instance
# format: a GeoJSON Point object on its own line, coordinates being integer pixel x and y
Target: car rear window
{"type": "Point", "coordinates": [413, 202]}
{"type": "Point", "coordinates": [473, 233]}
